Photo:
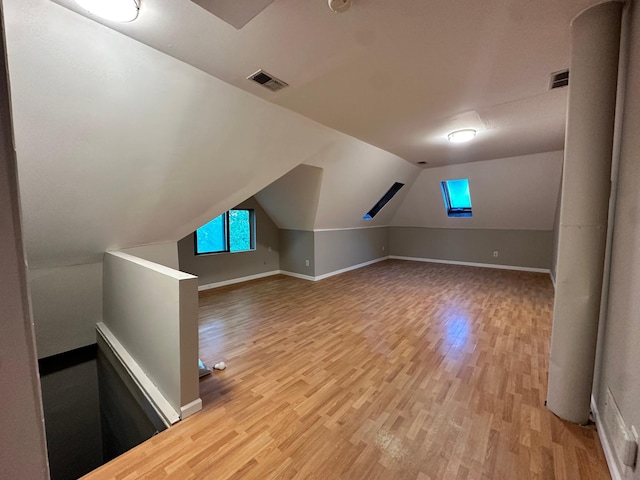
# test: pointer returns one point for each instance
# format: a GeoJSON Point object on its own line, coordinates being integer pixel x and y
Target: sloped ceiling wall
{"type": "Point", "coordinates": [120, 145]}
{"type": "Point", "coordinates": [356, 175]}
{"type": "Point", "coordinates": [517, 193]}
{"type": "Point", "coordinates": [338, 186]}
{"type": "Point", "coordinates": [292, 200]}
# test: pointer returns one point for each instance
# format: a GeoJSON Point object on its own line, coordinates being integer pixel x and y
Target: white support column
{"type": "Point", "coordinates": [585, 203]}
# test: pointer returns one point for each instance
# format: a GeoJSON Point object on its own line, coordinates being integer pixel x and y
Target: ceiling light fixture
{"type": "Point", "coordinates": [339, 6]}
{"type": "Point", "coordinates": [115, 10]}
{"type": "Point", "coordinates": [460, 136]}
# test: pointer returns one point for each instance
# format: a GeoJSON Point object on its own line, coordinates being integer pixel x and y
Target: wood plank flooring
{"type": "Point", "coordinates": [399, 370]}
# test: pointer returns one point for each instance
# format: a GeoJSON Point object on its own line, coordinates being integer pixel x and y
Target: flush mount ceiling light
{"type": "Point", "coordinates": [116, 10]}
{"type": "Point", "coordinates": [461, 136]}
{"type": "Point", "coordinates": [339, 6]}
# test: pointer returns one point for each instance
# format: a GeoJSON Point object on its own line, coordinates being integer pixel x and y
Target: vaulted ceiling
{"type": "Point", "coordinates": [398, 75]}
{"type": "Point", "coordinates": [125, 136]}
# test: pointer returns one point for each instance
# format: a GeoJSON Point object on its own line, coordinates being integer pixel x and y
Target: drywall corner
{"type": "Point", "coordinates": [338, 250]}
{"type": "Point", "coordinates": [296, 249]}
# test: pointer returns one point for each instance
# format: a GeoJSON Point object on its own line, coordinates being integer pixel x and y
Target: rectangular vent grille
{"type": "Point", "coordinates": [268, 81]}
{"type": "Point", "coordinates": [559, 79]}
{"type": "Point", "coordinates": [621, 440]}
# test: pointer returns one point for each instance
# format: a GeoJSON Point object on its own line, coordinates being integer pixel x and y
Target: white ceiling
{"type": "Point", "coordinates": [119, 145]}
{"type": "Point", "coordinates": [396, 74]}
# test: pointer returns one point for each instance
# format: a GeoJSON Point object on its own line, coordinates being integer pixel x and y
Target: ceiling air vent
{"type": "Point", "coordinates": [559, 79]}
{"type": "Point", "coordinates": [268, 81]}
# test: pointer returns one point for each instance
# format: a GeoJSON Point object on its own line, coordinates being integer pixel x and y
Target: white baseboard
{"type": "Point", "coordinates": [290, 274]}
{"type": "Point", "coordinates": [312, 278]}
{"type": "Point", "coordinates": [298, 275]}
{"type": "Point", "coordinates": [606, 444]}
{"type": "Point", "coordinates": [349, 228]}
{"type": "Point", "coordinates": [190, 408]}
{"type": "Point", "coordinates": [553, 279]}
{"type": "Point", "coordinates": [248, 278]}
{"type": "Point", "coordinates": [472, 264]}
{"type": "Point", "coordinates": [335, 272]}
{"type": "Point", "coordinates": [224, 283]}
{"type": "Point", "coordinates": [348, 269]}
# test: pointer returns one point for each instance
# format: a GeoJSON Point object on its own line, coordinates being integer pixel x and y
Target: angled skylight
{"type": "Point", "coordinates": [457, 197]}
{"type": "Point", "coordinates": [383, 201]}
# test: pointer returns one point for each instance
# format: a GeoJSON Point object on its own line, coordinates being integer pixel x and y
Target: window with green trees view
{"type": "Point", "coordinates": [232, 231]}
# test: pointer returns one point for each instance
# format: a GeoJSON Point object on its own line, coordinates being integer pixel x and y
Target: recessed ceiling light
{"type": "Point", "coordinates": [460, 136]}
{"type": "Point", "coordinates": [116, 10]}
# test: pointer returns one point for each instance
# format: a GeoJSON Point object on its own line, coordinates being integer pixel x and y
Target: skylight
{"type": "Point", "coordinates": [457, 198]}
{"type": "Point", "coordinates": [383, 201]}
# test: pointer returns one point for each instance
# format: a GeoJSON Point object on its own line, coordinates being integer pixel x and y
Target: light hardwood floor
{"type": "Point", "coordinates": [399, 370]}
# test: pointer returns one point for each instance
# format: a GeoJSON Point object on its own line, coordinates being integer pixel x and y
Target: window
{"type": "Point", "coordinates": [457, 198]}
{"type": "Point", "coordinates": [233, 231]}
{"type": "Point", "coordinates": [383, 201]}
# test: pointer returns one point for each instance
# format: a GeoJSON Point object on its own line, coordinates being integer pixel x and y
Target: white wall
{"type": "Point", "coordinates": [621, 356]}
{"type": "Point", "coordinates": [152, 310]}
{"type": "Point", "coordinates": [136, 148]}
{"type": "Point", "coordinates": [336, 187]}
{"type": "Point", "coordinates": [23, 453]}
{"type": "Point", "coordinates": [121, 146]}
{"type": "Point", "coordinates": [292, 200]}
{"type": "Point", "coordinates": [67, 304]}
{"type": "Point", "coordinates": [518, 193]}
{"type": "Point", "coordinates": [163, 253]}
{"type": "Point", "coordinates": [355, 176]}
